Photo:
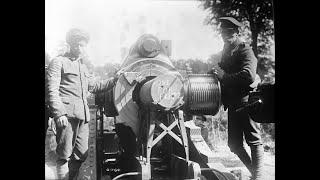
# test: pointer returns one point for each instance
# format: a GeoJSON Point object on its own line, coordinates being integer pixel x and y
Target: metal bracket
{"type": "Point", "coordinates": [167, 130]}
{"type": "Point", "coordinates": [184, 134]}
{"type": "Point", "coordinates": [131, 77]}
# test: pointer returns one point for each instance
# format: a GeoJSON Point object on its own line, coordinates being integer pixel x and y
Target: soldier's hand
{"type": "Point", "coordinates": [212, 71]}
{"type": "Point", "coordinates": [220, 72]}
{"type": "Point", "coordinates": [62, 121]}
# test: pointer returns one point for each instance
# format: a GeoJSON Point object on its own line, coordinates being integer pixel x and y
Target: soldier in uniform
{"type": "Point", "coordinates": [236, 72]}
{"type": "Point", "coordinates": [68, 84]}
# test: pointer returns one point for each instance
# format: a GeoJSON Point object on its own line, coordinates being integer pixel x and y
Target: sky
{"type": "Point", "coordinates": [115, 25]}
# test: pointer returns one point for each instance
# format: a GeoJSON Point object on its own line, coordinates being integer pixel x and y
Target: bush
{"type": "Point", "coordinates": [215, 130]}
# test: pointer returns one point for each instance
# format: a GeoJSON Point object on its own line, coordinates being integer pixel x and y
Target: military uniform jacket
{"type": "Point", "coordinates": [240, 65]}
{"type": "Point", "coordinates": [69, 83]}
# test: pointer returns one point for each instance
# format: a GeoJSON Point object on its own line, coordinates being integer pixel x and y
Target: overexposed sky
{"type": "Point", "coordinates": [114, 25]}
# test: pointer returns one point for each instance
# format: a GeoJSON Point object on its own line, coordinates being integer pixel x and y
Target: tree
{"type": "Point", "coordinates": [197, 66]}
{"type": "Point", "coordinates": [258, 14]}
{"type": "Point", "coordinates": [179, 64]}
{"type": "Point", "coordinates": [214, 59]}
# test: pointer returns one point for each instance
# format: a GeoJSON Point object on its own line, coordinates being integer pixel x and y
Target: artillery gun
{"type": "Point", "coordinates": [155, 100]}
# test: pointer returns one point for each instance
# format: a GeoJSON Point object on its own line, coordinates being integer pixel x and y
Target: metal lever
{"type": "Point", "coordinates": [259, 101]}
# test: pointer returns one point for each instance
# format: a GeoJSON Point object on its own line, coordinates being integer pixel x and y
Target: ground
{"type": "Point", "coordinates": [222, 155]}
{"type": "Point", "coordinates": [231, 162]}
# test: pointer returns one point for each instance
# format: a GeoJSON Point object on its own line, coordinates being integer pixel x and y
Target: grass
{"type": "Point", "coordinates": [215, 133]}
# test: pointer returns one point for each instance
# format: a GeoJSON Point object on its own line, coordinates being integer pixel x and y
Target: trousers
{"type": "Point", "coordinates": [240, 126]}
{"type": "Point", "coordinates": [72, 146]}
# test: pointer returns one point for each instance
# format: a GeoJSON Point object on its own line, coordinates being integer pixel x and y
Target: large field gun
{"type": "Point", "coordinates": [156, 101]}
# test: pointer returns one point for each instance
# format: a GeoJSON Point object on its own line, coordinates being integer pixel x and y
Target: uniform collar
{"type": "Point", "coordinates": [70, 56]}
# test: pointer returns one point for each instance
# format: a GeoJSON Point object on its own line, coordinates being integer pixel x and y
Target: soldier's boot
{"type": "Point", "coordinates": [74, 166]}
{"type": "Point", "coordinates": [245, 158]}
{"type": "Point", "coordinates": [62, 169]}
{"type": "Point", "coordinates": [257, 162]}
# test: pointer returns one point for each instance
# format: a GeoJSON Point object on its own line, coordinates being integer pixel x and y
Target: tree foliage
{"type": "Point", "coordinates": [258, 14]}
{"type": "Point", "coordinates": [196, 66]}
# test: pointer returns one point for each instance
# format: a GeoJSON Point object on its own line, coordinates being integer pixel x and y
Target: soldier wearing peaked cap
{"type": "Point", "coordinates": [236, 72]}
{"type": "Point", "coordinates": [68, 85]}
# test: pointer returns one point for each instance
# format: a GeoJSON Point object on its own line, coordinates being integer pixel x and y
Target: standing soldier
{"type": "Point", "coordinates": [236, 72]}
{"type": "Point", "coordinates": [68, 85]}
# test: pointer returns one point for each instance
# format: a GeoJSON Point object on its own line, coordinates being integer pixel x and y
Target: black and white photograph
{"type": "Point", "coordinates": [159, 90]}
